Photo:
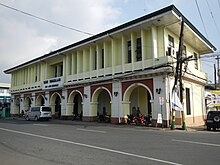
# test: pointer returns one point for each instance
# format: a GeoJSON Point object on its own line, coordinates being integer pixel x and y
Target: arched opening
{"type": "Point", "coordinates": [77, 107]}
{"type": "Point", "coordinates": [140, 101]}
{"type": "Point", "coordinates": [57, 107]}
{"type": "Point", "coordinates": [55, 103]}
{"type": "Point", "coordinates": [27, 104]}
{"type": "Point", "coordinates": [102, 103]}
{"type": "Point", "coordinates": [40, 101]}
{"type": "Point", "coordinates": [137, 101]}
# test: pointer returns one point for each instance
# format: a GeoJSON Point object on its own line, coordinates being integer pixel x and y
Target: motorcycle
{"type": "Point", "coordinates": [131, 119]}
{"type": "Point", "coordinates": [139, 120]}
{"type": "Point", "coordinates": [104, 118]}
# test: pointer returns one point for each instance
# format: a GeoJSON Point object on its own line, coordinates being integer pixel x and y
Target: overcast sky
{"type": "Point", "coordinates": [23, 38]}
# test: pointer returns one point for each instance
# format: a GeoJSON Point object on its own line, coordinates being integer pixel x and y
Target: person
{"type": "Point", "coordinates": [138, 112]}
{"type": "Point", "coordinates": [22, 113]}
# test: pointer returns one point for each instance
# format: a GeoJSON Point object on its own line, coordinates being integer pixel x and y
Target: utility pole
{"type": "Point", "coordinates": [215, 77]}
{"type": "Point", "coordinates": [178, 78]}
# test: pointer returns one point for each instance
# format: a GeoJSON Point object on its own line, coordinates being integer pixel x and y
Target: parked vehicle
{"type": "Point", "coordinates": [131, 119]}
{"type": "Point", "coordinates": [213, 120]}
{"type": "Point", "coordinates": [142, 120]}
{"type": "Point", "coordinates": [38, 112]}
{"type": "Point", "coordinates": [139, 120]}
{"type": "Point", "coordinates": [104, 118]}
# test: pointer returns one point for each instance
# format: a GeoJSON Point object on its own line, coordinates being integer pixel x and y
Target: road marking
{"type": "Point", "coordinates": [91, 146]}
{"type": "Point", "coordinates": [90, 130]}
{"type": "Point", "coordinates": [43, 125]}
{"type": "Point", "coordinates": [194, 142]}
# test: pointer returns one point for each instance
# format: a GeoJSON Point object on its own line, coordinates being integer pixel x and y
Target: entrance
{"type": "Point", "coordinates": [77, 107]}
{"type": "Point", "coordinates": [140, 101]}
{"type": "Point", "coordinates": [40, 101]}
{"type": "Point", "coordinates": [58, 107]}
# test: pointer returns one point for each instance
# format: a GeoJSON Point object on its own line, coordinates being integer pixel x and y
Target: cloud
{"type": "Point", "coordinates": [24, 38]}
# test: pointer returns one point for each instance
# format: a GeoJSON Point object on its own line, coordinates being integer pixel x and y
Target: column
{"type": "Point", "coordinates": [133, 49]}
{"type": "Point", "coordinates": [98, 58]}
{"type": "Point", "coordinates": [69, 109]}
{"type": "Point", "coordinates": [64, 99]}
{"type": "Point", "coordinates": [47, 98]}
{"type": "Point", "coordinates": [144, 46]}
{"type": "Point", "coordinates": [116, 110]}
{"type": "Point", "coordinates": [154, 42]}
{"type": "Point", "coordinates": [123, 52]}
{"type": "Point", "coordinates": [86, 102]}
{"type": "Point", "coordinates": [113, 55]}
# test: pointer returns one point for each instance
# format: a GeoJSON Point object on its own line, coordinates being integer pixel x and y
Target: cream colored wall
{"type": "Point", "coordinates": [160, 41]}
{"type": "Point", "coordinates": [197, 100]}
{"type": "Point", "coordinates": [79, 61]}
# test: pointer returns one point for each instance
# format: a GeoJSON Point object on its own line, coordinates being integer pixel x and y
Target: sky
{"type": "Point", "coordinates": [23, 38]}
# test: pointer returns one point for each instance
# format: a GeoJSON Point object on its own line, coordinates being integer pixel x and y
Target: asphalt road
{"type": "Point", "coordinates": [56, 142]}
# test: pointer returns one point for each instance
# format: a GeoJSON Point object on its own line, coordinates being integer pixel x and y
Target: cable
{"type": "Point", "coordinates": [213, 18]}
{"type": "Point", "coordinates": [46, 20]}
{"type": "Point", "coordinates": [201, 18]}
{"type": "Point", "coordinates": [219, 3]}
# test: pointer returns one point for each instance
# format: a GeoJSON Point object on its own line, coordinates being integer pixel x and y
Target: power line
{"type": "Point", "coordinates": [201, 18]}
{"type": "Point", "coordinates": [219, 3]}
{"type": "Point", "coordinates": [213, 18]}
{"type": "Point", "coordinates": [46, 20]}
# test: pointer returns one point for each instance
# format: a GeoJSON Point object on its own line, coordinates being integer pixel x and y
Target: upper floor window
{"type": "Point", "coordinates": [58, 70]}
{"type": "Point", "coordinates": [36, 73]}
{"type": "Point", "coordinates": [102, 59]}
{"type": "Point", "coordinates": [129, 51]}
{"type": "Point", "coordinates": [195, 60]}
{"type": "Point", "coordinates": [61, 70]}
{"type": "Point", "coordinates": [95, 62]}
{"type": "Point", "coordinates": [188, 104]}
{"type": "Point", "coordinates": [170, 41]}
{"type": "Point", "coordinates": [139, 51]}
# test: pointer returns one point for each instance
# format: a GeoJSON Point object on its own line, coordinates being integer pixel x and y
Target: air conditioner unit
{"type": "Point", "coordinates": [171, 51]}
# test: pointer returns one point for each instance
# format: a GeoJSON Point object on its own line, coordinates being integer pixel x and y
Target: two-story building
{"type": "Point", "coordinates": [117, 72]}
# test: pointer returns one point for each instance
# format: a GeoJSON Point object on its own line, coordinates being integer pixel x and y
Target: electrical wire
{"type": "Point", "coordinates": [219, 3]}
{"type": "Point", "coordinates": [201, 18]}
{"type": "Point", "coordinates": [46, 20]}
{"type": "Point", "coordinates": [213, 18]}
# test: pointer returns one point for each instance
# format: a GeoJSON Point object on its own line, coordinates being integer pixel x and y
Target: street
{"type": "Point", "coordinates": [81, 143]}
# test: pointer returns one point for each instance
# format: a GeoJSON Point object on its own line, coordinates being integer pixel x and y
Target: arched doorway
{"type": "Point", "coordinates": [55, 104]}
{"type": "Point", "coordinates": [137, 97]}
{"type": "Point", "coordinates": [140, 101]}
{"type": "Point", "coordinates": [40, 101]}
{"type": "Point", "coordinates": [58, 107]}
{"type": "Point", "coordinates": [102, 102]}
{"type": "Point", "coordinates": [27, 103]}
{"type": "Point", "coordinates": [75, 106]}
{"type": "Point", "coordinates": [16, 107]}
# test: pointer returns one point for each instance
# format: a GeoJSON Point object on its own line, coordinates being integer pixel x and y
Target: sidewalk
{"type": "Point", "coordinates": [86, 124]}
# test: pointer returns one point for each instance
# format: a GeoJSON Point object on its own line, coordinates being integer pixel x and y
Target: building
{"type": "Point", "coordinates": [117, 72]}
{"type": "Point", "coordinates": [5, 97]}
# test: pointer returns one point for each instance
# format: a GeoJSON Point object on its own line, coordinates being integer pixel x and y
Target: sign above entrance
{"type": "Point", "coordinates": [52, 83]}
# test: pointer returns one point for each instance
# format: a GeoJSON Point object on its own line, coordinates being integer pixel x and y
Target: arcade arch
{"type": "Point", "coordinates": [137, 97]}
{"type": "Point", "coordinates": [55, 103]}
{"type": "Point", "coordinates": [27, 103]}
{"type": "Point", "coordinates": [101, 100]}
{"type": "Point", "coordinates": [75, 104]}
{"type": "Point", "coordinates": [40, 100]}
